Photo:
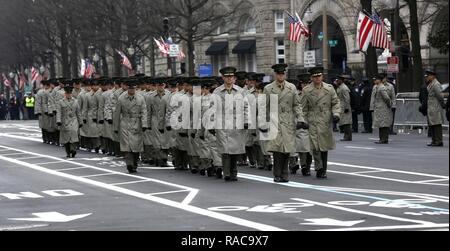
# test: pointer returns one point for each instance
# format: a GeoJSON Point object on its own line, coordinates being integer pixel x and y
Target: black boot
{"type": "Point", "coordinates": [219, 174]}
{"type": "Point", "coordinates": [306, 171]}
{"type": "Point", "coordinates": [67, 148]}
{"type": "Point", "coordinates": [322, 173]}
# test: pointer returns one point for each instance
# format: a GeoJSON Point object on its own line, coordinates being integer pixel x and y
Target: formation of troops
{"type": "Point", "coordinates": [134, 118]}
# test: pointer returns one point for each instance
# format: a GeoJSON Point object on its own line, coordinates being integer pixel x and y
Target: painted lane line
{"type": "Point", "coordinates": [427, 181]}
{"type": "Point", "coordinates": [389, 170]}
{"type": "Point", "coordinates": [350, 210]}
{"type": "Point", "coordinates": [11, 154]}
{"type": "Point", "coordinates": [324, 189]}
{"type": "Point", "coordinates": [71, 169]}
{"type": "Point", "coordinates": [388, 227]}
{"type": "Point", "coordinates": [129, 183]}
{"type": "Point", "coordinates": [28, 158]}
{"type": "Point", "coordinates": [367, 172]}
{"type": "Point", "coordinates": [97, 175]}
{"type": "Point", "coordinates": [20, 137]}
{"type": "Point", "coordinates": [188, 208]}
{"type": "Point", "coordinates": [13, 228]}
{"type": "Point", "coordinates": [389, 179]}
{"type": "Point", "coordinates": [170, 192]}
{"type": "Point", "coordinates": [49, 163]}
{"type": "Point", "coordinates": [362, 148]}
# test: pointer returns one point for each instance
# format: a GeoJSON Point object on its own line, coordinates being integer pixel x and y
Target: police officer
{"type": "Point", "coordinates": [130, 123]}
{"type": "Point", "coordinates": [366, 96]}
{"type": "Point", "coordinates": [321, 107]}
{"type": "Point", "coordinates": [29, 105]}
{"type": "Point", "coordinates": [381, 105]}
{"type": "Point", "coordinates": [435, 105]}
{"type": "Point", "coordinates": [3, 107]}
{"type": "Point", "coordinates": [68, 118]}
{"type": "Point", "coordinates": [393, 96]}
{"type": "Point", "coordinates": [290, 119]}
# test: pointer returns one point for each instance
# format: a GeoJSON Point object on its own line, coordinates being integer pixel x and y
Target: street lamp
{"type": "Point", "coordinates": [131, 51]}
{"type": "Point", "coordinates": [308, 19]}
{"type": "Point", "coordinates": [12, 75]}
{"type": "Point", "coordinates": [325, 36]}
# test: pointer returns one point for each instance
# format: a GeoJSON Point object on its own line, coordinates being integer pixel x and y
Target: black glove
{"type": "Point", "coordinates": [213, 132]}
{"type": "Point", "coordinates": [254, 134]}
{"type": "Point", "coordinates": [161, 130]}
{"type": "Point", "coordinates": [302, 125]}
{"type": "Point", "coordinates": [94, 120]}
{"type": "Point", "coordinates": [144, 129]}
{"type": "Point", "coordinates": [59, 124]}
{"type": "Point", "coordinates": [116, 132]}
{"type": "Point", "coordinates": [54, 112]}
{"type": "Point", "coordinates": [39, 114]}
{"type": "Point", "coordinates": [51, 115]}
{"type": "Point", "coordinates": [336, 119]}
{"type": "Point", "coordinates": [246, 126]}
{"type": "Point", "coordinates": [263, 130]}
{"type": "Point", "coordinates": [84, 121]}
{"type": "Point", "coordinates": [202, 137]}
{"type": "Point", "coordinates": [169, 128]}
{"type": "Point", "coordinates": [183, 135]}
{"type": "Point", "coordinates": [80, 126]}
{"type": "Point", "coordinates": [46, 113]}
{"type": "Point", "coordinates": [346, 111]}
{"type": "Point", "coordinates": [101, 122]}
{"type": "Point", "coordinates": [110, 121]}
{"type": "Point", "coordinates": [394, 109]}
{"type": "Point", "coordinates": [193, 135]}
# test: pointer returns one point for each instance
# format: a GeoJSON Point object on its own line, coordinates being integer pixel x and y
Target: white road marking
{"type": "Point", "coordinates": [368, 172]}
{"type": "Point", "coordinates": [27, 158]}
{"type": "Point", "coordinates": [20, 137]}
{"type": "Point", "coordinates": [52, 217]}
{"type": "Point", "coordinates": [427, 181]}
{"type": "Point", "coordinates": [170, 192]}
{"type": "Point", "coordinates": [71, 169]}
{"type": "Point", "coordinates": [332, 222]}
{"type": "Point", "coordinates": [189, 208]}
{"type": "Point", "coordinates": [97, 175]}
{"type": "Point", "coordinates": [11, 154]}
{"type": "Point", "coordinates": [48, 163]}
{"type": "Point", "coordinates": [362, 148]}
{"type": "Point", "coordinates": [129, 183]}
{"type": "Point", "coordinates": [350, 210]}
{"type": "Point", "coordinates": [23, 227]}
{"type": "Point", "coordinates": [387, 227]}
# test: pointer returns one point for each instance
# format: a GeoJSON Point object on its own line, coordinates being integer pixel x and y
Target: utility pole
{"type": "Point", "coordinates": [167, 35]}
{"type": "Point", "coordinates": [325, 41]}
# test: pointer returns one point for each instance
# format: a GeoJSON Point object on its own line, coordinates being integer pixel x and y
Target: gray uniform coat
{"type": "Point", "coordinates": [68, 113]}
{"type": "Point", "coordinates": [435, 103]}
{"type": "Point", "coordinates": [381, 105]}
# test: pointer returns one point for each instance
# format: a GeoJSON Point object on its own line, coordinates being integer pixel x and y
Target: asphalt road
{"type": "Point", "coordinates": [401, 186]}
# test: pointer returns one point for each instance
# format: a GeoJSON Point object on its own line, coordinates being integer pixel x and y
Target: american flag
{"type": "Point", "coordinates": [364, 31]}
{"type": "Point", "coordinates": [125, 61]}
{"type": "Point", "coordinates": [35, 76]}
{"type": "Point", "coordinates": [22, 80]}
{"type": "Point", "coordinates": [380, 37]}
{"type": "Point", "coordinates": [6, 81]}
{"type": "Point", "coordinates": [89, 69]}
{"type": "Point", "coordinates": [297, 28]}
{"type": "Point", "coordinates": [162, 46]}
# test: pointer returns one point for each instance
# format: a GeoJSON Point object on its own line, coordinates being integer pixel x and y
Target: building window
{"type": "Point", "coordinates": [222, 30]}
{"type": "Point", "coordinates": [249, 25]}
{"type": "Point", "coordinates": [279, 22]}
{"type": "Point", "coordinates": [219, 62]}
{"type": "Point", "coordinates": [247, 62]}
{"type": "Point", "coordinates": [280, 51]}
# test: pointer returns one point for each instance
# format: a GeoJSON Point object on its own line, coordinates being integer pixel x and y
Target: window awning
{"type": "Point", "coordinates": [245, 47]}
{"type": "Point", "coordinates": [217, 48]}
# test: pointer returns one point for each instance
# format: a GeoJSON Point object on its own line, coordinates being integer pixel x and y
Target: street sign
{"type": "Point", "coordinates": [393, 63]}
{"type": "Point", "coordinates": [310, 59]}
{"type": "Point", "coordinates": [205, 70]}
{"type": "Point", "coordinates": [333, 43]}
{"type": "Point", "coordinates": [174, 50]}
{"type": "Point", "coordinates": [321, 36]}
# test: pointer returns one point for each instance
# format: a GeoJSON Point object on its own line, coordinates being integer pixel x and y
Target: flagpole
{"type": "Point", "coordinates": [325, 41]}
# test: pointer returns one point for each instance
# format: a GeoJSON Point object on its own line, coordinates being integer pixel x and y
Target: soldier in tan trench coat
{"type": "Point", "coordinates": [345, 124]}
{"type": "Point", "coordinates": [321, 107]}
{"type": "Point", "coordinates": [381, 105]}
{"type": "Point", "coordinates": [436, 104]}
{"type": "Point", "coordinates": [290, 119]}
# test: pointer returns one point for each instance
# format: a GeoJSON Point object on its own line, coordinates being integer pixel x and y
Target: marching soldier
{"type": "Point", "coordinates": [130, 123]}
{"type": "Point", "coordinates": [290, 111]}
{"type": "Point", "coordinates": [435, 105]}
{"type": "Point", "coordinates": [321, 107]}
{"type": "Point", "coordinates": [107, 129]}
{"type": "Point", "coordinates": [121, 88]}
{"type": "Point", "coordinates": [168, 111]}
{"type": "Point", "coordinates": [381, 105]}
{"type": "Point", "coordinates": [51, 112]}
{"type": "Point", "coordinates": [182, 137]}
{"type": "Point", "coordinates": [157, 113]}
{"type": "Point", "coordinates": [264, 157]}
{"type": "Point", "coordinates": [393, 96]}
{"type": "Point", "coordinates": [82, 102]}
{"type": "Point", "coordinates": [302, 140]}
{"type": "Point", "coordinates": [345, 124]}
{"type": "Point", "coordinates": [231, 141]}
{"type": "Point", "coordinates": [68, 118]}
{"type": "Point", "coordinates": [92, 115]}
{"type": "Point", "coordinates": [40, 108]}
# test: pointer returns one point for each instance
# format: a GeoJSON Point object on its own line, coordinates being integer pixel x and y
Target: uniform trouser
{"type": "Point", "coordinates": [94, 143]}
{"type": "Point", "coordinates": [104, 144]}
{"type": "Point", "coordinates": [116, 146]}
{"type": "Point", "coordinates": [320, 160]}
{"type": "Point", "coordinates": [305, 160]}
{"type": "Point", "coordinates": [194, 162]}
{"type": "Point", "coordinates": [436, 134]}
{"type": "Point", "coordinates": [175, 156]}
{"type": "Point", "coordinates": [183, 159]}
{"type": "Point", "coordinates": [384, 134]}
{"type": "Point", "coordinates": [259, 155]}
{"type": "Point", "coordinates": [355, 125]}
{"type": "Point", "coordinates": [281, 165]}
{"type": "Point", "coordinates": [44, 135]}
{"type": "Point", "coordinates": [368, 121]}
{"type": "Point", "coordinates": [347, 132]}
{"type": "Point", "coordinates": [146, 155]}
{"type": "Point", "coordinates": [393, 120]}
{"type": "Point", "coordinates": [251, 154]}
{"type": "Point", "coordinates": [70, 147]}
{"type": "Point", "coordinates": [293, 163]}
{"type": "Point", "coordinates": [229, 162]}
{"type": "Point", "coordinates": [131, 159]}
{"type": "Point", "coordinates": [205, 164]}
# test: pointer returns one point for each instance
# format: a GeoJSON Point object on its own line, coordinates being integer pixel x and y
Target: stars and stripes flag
{"type": "Point", "coordinates": [35, 76]}
{"type": "Point", "coordinates": [380, 37]}
{"type": "Point", "coordinates": [22, 80]}
{"type": "Point", "coordinates": [364, 31]}
{"type": "Point", "coordinates": [162, 46]}
{"type": "Point", "coordinates": [87, 69]}
{"type": "Point", "coordinates": [297, 28]}
{"type": "Point", "coordinates": [6, 81]}
{"type": "Point", "coordinates": [125, 61]}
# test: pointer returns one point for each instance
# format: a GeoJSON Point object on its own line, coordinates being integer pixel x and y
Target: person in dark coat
{"type": "Point", "coordinates": [423, 109]}
{"type": "Point", "coordinates": [3, 107]}
{"type": "Point", "coordinates": [14, 112]}
{"type": "Point", "coordinates": [366, 95]}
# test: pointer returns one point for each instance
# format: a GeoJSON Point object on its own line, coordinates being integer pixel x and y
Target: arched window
{"type": "Point", "coordinates": [249, 25]}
